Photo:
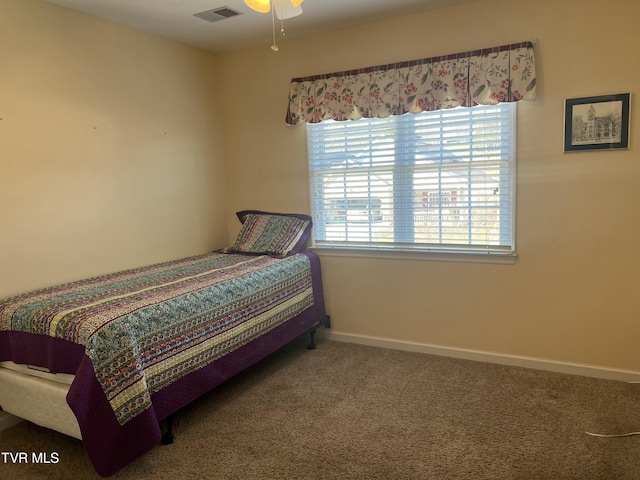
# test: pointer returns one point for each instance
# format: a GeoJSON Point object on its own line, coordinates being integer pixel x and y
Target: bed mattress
{"type": "Point", "coordinates": [34, 393]}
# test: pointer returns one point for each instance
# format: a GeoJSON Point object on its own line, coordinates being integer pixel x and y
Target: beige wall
{"type": "Point", "coordinates": [114, 146]}
{"type": "Point", "coordinates": [572, 295]}
{"type": "Point", "coordinates": [110, 148]}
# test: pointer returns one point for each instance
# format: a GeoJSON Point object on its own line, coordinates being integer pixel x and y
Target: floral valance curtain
{"type": "Point", "coordinates": [481, 77]}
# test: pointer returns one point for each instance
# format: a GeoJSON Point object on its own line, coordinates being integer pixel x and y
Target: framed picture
{"type": "Point", "coordinates": [596, 123]}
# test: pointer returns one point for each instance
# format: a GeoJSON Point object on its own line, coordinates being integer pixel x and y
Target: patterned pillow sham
{"type": "Point", "coordinates": [278, 234]}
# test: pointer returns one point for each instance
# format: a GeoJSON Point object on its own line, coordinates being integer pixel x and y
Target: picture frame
{"type": "Point", "coordinates": [597, 123]}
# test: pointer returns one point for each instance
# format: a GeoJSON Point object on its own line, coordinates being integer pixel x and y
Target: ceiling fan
{"type": "Point", "coordinates": [283, 9]}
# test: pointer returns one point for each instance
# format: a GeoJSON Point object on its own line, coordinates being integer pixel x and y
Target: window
{"type": "Point", "coordinates": [439, 181]}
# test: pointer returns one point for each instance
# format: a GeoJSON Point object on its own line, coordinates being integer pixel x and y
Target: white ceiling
{"type": "Point", "coordinates": [174, 19]}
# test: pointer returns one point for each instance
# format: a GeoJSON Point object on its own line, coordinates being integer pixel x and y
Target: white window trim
{"type": "Point", "coordinates": [507, 258]}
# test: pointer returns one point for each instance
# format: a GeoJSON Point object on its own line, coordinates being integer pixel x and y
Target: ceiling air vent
{"type": "Point", "coordinates": [217, 14]}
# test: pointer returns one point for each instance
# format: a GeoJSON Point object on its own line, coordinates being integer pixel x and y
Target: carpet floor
{"type": "Point", "coordinates": [346, 411]}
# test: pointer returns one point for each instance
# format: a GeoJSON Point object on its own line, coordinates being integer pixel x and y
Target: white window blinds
{"type": "Point", "coordinates": [433, 181]}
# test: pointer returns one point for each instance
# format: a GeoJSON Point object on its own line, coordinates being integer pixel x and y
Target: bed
{"type": "Point", "coordinates": [108, 358]}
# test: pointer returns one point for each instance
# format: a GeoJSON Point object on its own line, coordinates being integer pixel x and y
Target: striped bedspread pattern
{"type": "Point", "coordinates": [144, 328]}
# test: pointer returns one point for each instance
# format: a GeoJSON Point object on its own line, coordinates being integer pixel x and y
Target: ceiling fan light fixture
{"type": "Point", "coordinates": [283, 9]}
{"type": "Point", "coordinates": [262, 6]}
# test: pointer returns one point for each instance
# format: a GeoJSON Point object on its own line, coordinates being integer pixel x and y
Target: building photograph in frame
{"type": "Point", "coordinates": [597, 123]}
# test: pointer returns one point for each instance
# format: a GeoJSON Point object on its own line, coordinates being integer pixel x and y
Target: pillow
{"type": "Point", "coordinates": [278, 234]}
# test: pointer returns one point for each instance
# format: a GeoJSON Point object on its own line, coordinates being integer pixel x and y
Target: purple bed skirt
{"type": "Point", "coordinates": [111, 446]}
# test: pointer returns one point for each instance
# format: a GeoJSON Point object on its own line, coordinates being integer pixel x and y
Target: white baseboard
{"type": "Point", "coordinates": [7, 420]}
{"type": "Point", "coordinates": [515, 361]}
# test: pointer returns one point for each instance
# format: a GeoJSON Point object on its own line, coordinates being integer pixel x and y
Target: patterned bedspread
{"type": "Point", "coordinates": [144, 328]}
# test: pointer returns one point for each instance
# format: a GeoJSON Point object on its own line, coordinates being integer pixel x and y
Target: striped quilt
{"type": "Point", "coordinates": [144, 328]}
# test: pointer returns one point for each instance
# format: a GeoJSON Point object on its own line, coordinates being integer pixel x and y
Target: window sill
{"type": "Point", "coordinates": [435, 256]}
